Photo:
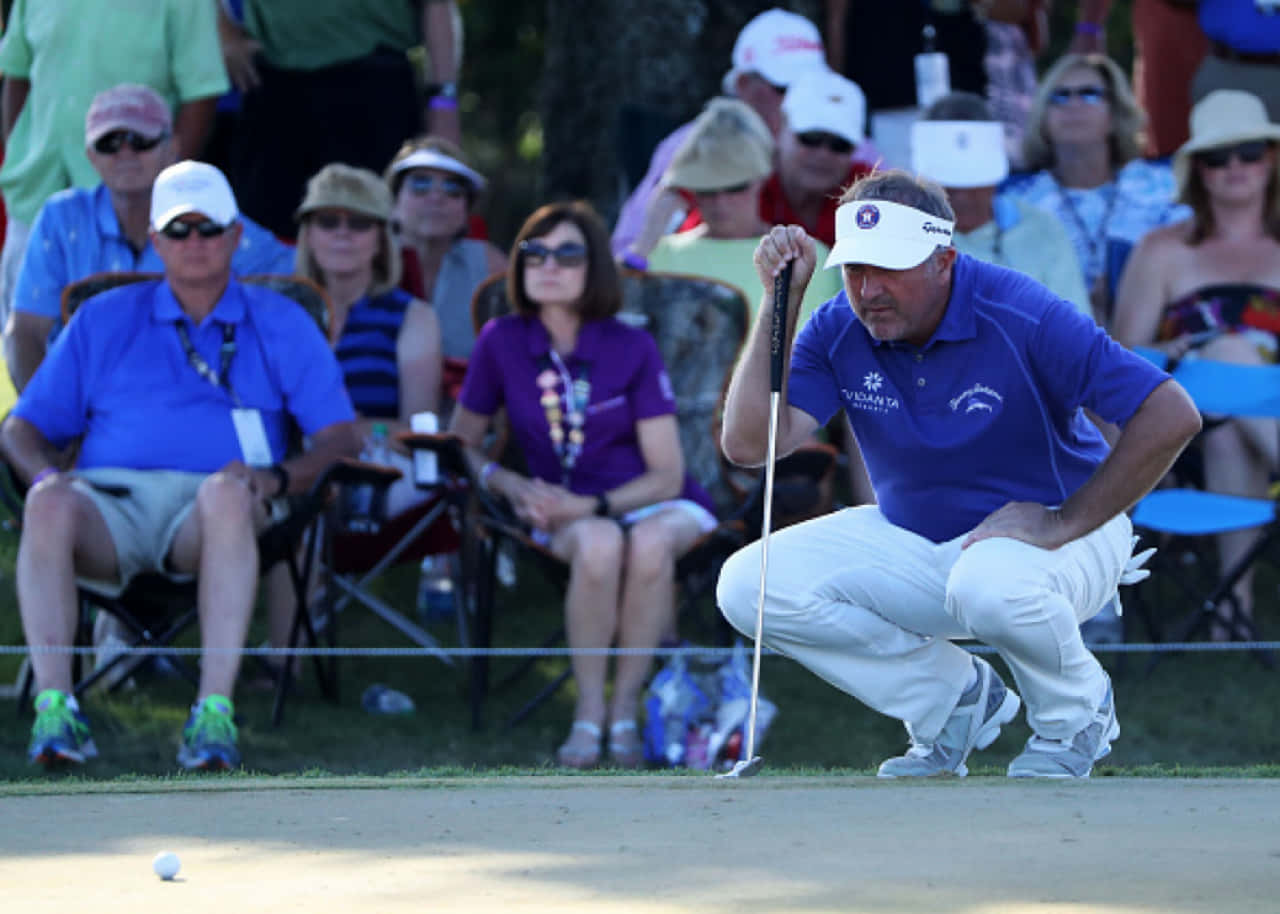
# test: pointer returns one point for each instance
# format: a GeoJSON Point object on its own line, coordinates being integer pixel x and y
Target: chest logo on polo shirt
{"type": "Point", "coordinates": [869, 398]}
{"type": "Point", "coordinates": [977, 399]}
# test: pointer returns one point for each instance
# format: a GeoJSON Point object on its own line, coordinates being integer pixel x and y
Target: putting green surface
{"type": "Point", "coordinates": [646, 844]}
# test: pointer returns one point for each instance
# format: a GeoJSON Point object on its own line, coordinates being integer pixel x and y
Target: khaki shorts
{"type": "Point", "coordinates": [143, 511]}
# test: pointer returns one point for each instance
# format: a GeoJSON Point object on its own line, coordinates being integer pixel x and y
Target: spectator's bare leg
{"type": "Point", "coordinates": [218, 542]}
{"type": "Point", "coordinates": [62, 534]}
{"type": "Point", "coordinates": [648, 600]}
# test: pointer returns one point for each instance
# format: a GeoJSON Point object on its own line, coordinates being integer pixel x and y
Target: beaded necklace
{"type": "Point", "coordinates": [564, 400]}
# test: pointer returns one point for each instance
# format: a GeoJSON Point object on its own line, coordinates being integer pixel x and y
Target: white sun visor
{"type": "Point", "coordinates": [887, 235]}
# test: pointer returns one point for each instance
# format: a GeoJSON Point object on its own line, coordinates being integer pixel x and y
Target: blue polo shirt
{"type": "Point", "coordinates": [77, 234]}
{"type": "Point", "coordinates": [988, 411]}
{"type": "Point", "coordinates": [1240, 25]}
{"type": "Point", "coordinates": [119, 378]}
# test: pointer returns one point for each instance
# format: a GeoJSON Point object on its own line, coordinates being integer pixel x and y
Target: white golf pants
{"type": "Point", "coordinates": [871, 608]}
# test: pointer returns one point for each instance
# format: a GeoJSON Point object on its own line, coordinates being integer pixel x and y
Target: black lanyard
{"type": "Point", "coordinates": [222, 377]}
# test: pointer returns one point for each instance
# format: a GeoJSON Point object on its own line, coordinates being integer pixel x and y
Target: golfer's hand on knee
{"type": "Point", "coordinates": [782, 245]}
{"type": "Point", "coordinates": [1021, 520]}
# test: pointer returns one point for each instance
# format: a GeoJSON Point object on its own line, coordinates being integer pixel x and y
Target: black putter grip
{"type": "Point", "coordinates": [778, 326]}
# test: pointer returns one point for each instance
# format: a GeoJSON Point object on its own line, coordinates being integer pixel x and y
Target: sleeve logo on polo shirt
{"type": "Point", "coordinates": [978, 398]}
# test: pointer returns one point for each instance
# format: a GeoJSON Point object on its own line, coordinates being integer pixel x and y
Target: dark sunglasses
{"type": "Point", "coordinates": [569, 254]}
{"type": "Point", "coordinates": [815, 138]}
{"type": "Point", "coordinates": [181, 231]}
{"type": "Point", "coordinates": [1248, 153]}
{"type": "Point", "coordinates": [424, 184]}
{"type": "Point", "coordinates": [1090, 95]}
{"type": "Point", "coordinates": [331, 222]}
{"type": "Point", "coordinates": [735, 189]}
{"type": "Point", "coordinates": [111, 143]}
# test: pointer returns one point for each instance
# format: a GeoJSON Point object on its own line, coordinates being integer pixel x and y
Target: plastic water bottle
{"type": "Point", "coordinates": [933, 71]}
{"type": "Point", "coordinates": [376, 449]}
{"type": "Point", "coordinates": [362, 506]}
{"type": "Point", "coordinates": [435, 590]}
{"type": "Point", "coordinates": [381, 699]}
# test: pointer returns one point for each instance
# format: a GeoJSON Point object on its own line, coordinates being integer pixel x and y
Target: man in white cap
{"type": "Point", "coordinates": [771, 51]}
{"type": "Point", "coordinates": [129, 139]}
{"type": "Point", "coordinates": [180, 391]}
{"type": "Point", "coordinates": [959, 143]}
{"type": "Point", "coordinates": [1000, 512]}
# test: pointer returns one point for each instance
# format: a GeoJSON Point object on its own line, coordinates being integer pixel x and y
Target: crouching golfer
{"type": "Point", "coordinates": [1001, 510]}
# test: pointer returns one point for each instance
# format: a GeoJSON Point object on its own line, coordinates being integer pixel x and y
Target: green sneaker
{"type": "Point", "coordinates": [60, 734]}
{"type": "Point", "coordinates": [209, 738]}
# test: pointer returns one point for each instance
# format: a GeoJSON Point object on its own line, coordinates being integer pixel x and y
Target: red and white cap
{"type": "Point", "coordinates": [779, 46]}
{"type": "Point", "coordinates": [128, 106]}
{"type": "Point", "coordinates": [886, 234]}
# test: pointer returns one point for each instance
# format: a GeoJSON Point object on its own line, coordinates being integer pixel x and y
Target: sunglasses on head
{"type": "Point", "coordinates": [331, 221]}
{"type": "Point", "coordinates": [735, 189]}
{"type": "Point", "coordinates": [1248, 153]}
{"type": "Point", "coordinates": [181, 231]}
{"type": "Point", "coordinates": [1090, 95]}
{"type": "Point", "coordinates": [815, 138]}
{"type": "Point", "coordinates": [111, 143]}
{"type": "Point", "coordinates": [424, 184]}
{"type": "Point", "coordinates": [569, 254]}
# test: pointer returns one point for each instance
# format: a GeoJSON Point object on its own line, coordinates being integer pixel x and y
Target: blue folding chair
{"type": "Point", "coordinates": [1226, 390]}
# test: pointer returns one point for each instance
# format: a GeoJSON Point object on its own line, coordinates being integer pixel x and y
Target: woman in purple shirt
{"type": "Point", "coordinates": [591, 408]}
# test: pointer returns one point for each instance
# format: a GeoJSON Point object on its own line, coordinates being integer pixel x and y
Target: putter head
{"type": "Point", "coordinates": [744, 768]}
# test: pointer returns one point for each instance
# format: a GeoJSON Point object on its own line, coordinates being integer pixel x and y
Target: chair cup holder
{"type": "Point", "coordinates": [362, 508]}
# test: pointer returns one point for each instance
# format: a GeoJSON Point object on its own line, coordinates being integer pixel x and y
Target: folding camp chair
{"type": "Point", "coordinates": [154, 610]}
{"type": "Point", "coordinates": [699, 325]}
{"type": "Point", "coordinates": [1186, 515]}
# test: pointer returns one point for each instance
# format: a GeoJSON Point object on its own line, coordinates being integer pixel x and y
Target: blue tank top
{"type": "Point", "coordinates": [367, 353]}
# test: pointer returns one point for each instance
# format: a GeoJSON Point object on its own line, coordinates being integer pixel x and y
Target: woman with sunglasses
{"type": "Point", "coordinates": [435, 193]}
{"type": "Point", "coordinates": [591, 408]}
{"type": "Point", "coordinates": [1212, 284]}
{"type": "Point", "coordinates": [1082, 146]}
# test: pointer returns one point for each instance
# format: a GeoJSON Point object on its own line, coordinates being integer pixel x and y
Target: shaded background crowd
{"type": "Point", "coordinates": [391, 152]}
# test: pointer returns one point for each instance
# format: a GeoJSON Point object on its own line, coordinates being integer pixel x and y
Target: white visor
{"type": "Point", "coordinates": [430, 158]}
{"type": "Point", "coordinates": [959, 153]}
{"type": "Point", "coordinates": [885, 234]}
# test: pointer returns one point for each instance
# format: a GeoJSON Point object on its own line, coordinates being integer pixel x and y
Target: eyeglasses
{"type": "Point", "coordinates": [332, 221]}
{"type": "Point", "coordinates": [735, 189]}
{"type": "Point", "coordinates": [181, 231]}
{"type": "Point", "coordinates": [815, 138]}
{"type": "Point", "coordinates": [1248, 153]}
{"type": "Point", "coordinates": [569, 254]}
{"type": "Point", "coordinates": [1090, 95]}
{"type": "Point", "coordinates": [421, 185]}
{"type": "Point", "coordinates": [111, 143]}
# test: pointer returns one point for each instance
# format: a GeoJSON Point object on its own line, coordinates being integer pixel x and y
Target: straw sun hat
{"type": "Point", "coordinates": [1223, 118]}
{"type": "Point", "coordinates": [729, 144]}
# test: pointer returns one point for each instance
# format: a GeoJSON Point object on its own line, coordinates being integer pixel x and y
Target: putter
{"type": "Point", "coordinates": [750, 763]}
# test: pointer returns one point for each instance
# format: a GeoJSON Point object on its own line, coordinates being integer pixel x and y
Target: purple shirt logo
{"type": "Point", "coordinates": [868, 217]}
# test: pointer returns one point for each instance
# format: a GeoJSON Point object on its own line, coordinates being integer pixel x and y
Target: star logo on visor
{"type": "Point", "coordinates": [872, 381]}
{"type": "Point", "coordinates": [867, 217]}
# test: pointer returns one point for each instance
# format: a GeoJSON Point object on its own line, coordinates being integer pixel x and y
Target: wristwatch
{"type": "Point", "coordinates": [602, 505]}
{"type": "Point", "coordinates": [442, 90]}
{"type": "Point", "coordinates": [282, 478]}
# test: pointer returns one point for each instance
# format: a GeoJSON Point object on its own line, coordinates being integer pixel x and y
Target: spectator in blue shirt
{"type": "Point", "coordinates": [81, 231]}
{"type": "Point", "coordinates": [179, 391]}
{"type": "Point", "coordinates": [1000, 512]}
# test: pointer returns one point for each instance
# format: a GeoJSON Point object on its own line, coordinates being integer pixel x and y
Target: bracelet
{"type": "Point", "coordinates": [443, 103]}
{"type": "Point", "coordinates": [486, 471]}
{"type": "Point", "coordinates": [46, 472]}
{"type": "Point", "coordinates": [1088, 28]}
{"type": "Point", "coordinates": [635, 261]}
{"type": "Point", "coordinates": [602, 505]}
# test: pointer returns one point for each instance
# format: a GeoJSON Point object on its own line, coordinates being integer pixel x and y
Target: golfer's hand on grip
{"type": "Point", "coordinates": [783, 244]}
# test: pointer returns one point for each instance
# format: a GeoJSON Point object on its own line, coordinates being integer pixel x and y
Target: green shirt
{"type": "Point", "coordinates": [310, 34]}
{"type": "Point", "coordinates": [729, 260]}
{"type": "Point", "coordinates": [71, 50]}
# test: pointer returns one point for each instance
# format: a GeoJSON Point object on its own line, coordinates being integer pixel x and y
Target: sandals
{"type": "Point", "coordinates": [582, 748]}
{"type": "Point", "coordinates": [625, 748]}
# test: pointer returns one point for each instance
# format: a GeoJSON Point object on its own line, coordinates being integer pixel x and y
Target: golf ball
{"type": "Point", "coordinates": [166, 864]}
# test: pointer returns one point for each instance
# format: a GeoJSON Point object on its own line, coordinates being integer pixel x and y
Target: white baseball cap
{"type": "Point", "coordinates": [885, 234]}
{"type": "Point", "coordinates": [825, 100]}
{"type": "Point", "coordinates": [192, 187]}
{"type": "Point", "coordinates": [779, 46]}
{"type": "Point", "coordinates": [960, 153]}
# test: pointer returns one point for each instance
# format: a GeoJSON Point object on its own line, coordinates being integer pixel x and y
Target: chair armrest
{"type": "Point", "coordinates": [446, 445]}
{"type": "Point", "coordinates": [348, 471]}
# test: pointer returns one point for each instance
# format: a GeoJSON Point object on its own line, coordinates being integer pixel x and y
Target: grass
{"type": "Point", "coordinates": [1197, 715]}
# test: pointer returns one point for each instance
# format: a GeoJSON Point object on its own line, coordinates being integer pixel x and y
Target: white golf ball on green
{"type": "Point", "coordinates": [166, 864]}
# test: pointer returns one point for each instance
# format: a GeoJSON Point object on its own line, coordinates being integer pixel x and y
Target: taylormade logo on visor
{"type": "Point", "coordinates": [886, 234]}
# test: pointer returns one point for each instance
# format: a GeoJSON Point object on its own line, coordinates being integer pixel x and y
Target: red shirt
{"type": "Point", "coordinates": [775, 209]}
